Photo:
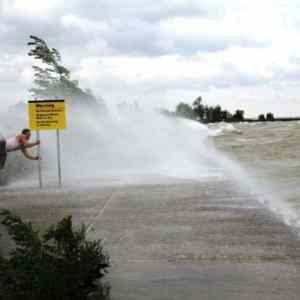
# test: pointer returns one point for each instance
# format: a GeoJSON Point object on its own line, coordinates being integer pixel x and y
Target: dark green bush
{"type": "Point", "coordinates": [60, 264]}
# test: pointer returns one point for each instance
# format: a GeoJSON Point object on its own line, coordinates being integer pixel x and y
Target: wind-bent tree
{"type": "Point", "coordinates": [52, 79]}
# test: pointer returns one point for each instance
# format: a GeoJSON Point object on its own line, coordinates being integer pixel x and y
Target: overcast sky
{"type": "Point", "coordinates": [240, 54]}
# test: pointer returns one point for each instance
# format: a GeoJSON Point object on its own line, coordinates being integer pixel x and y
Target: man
{"type": "Point", "coordinates": [15, 143]}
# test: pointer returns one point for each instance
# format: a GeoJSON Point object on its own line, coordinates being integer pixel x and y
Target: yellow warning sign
{"type": "Point", "coordinates": [47, 114]}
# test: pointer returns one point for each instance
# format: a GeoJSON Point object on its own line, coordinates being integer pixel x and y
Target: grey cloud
{"type": "Point", "coordinates": [51, 30]}
{"type": "Point", "coordinates": [135, 37]}
{"type": "Point", "coordinates": [134, 28]}
{"type": "Point", "coordinates": [148, 10]}
{"type": "Point", "coordinates": [231, 77]}
{"type": "Point", "coordinates": [204, 44]}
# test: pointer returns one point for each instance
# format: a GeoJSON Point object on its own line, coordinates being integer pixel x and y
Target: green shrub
{"type": "Point", "coordinates": [60, 264]}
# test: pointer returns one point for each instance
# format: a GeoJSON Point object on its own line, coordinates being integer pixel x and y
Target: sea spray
{"type": "Point", "coordinates": [263, 193]}
{"type": "Point", "coordinates": [135, 146]}
{"type": "Point", "coordinates": [128, 144]}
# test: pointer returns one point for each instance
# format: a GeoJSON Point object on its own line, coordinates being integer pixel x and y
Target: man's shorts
{"type": "Point", "coordinates": [3, 153]}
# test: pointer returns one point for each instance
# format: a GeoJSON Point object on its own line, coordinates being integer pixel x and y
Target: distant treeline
{"type": "Point", "coordinates": [211, 114]}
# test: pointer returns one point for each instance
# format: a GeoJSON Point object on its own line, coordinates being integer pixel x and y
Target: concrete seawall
{"type": "Point", "coordinates": [205, 240]}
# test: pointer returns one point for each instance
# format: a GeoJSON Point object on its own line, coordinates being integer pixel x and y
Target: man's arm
{"type": "Point", "coordinates": [27, 155]}
{"type": "Point", "coordinates": [26, 144]}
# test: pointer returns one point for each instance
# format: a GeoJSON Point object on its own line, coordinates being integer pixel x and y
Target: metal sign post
{"type": "Point", "coordinates": [48, 115]}
{"type": "Point", "coordinates": [58, 156]}
{"type": "Point", "coordinates": [40, 162]}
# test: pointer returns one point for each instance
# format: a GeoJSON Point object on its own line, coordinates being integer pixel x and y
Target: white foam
{"type": "Point", "coordinates": [224, 128]}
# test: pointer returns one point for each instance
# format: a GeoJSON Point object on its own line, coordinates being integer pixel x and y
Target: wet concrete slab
{"type": "Point", "coordinates": [205, 240]}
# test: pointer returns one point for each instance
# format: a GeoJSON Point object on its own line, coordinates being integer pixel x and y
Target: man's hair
{"type": "Point", "coordinates": [26, 130]}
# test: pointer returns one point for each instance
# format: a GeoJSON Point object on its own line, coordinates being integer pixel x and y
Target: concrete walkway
{"type": "Point", "coordinates": [204, 240]}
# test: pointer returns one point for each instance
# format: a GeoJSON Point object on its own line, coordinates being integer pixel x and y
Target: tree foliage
{"type": "Point", "coordinates": [198, 108]}
{"type": "Point", "coordinates": [52, 79]}
{"type": "Point", "coordinates": [238, 116]}
{"type": "Point", "coordinates": [61, 264]}
{"type": "Point", "coordinates": [211, 114]}
{"type": "Point", "coordinates": [270, 117]}
{"type": "Point", "coordinates": [185, 111]}
{"type": "Point", "coordinates": [203, 113]}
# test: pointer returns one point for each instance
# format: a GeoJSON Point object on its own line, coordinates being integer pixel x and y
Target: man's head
{"type": "Point", "coordinates": [27, 133]}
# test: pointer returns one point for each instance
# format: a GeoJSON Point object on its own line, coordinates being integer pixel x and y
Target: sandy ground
{"type": "Point", "coordinates": [205, 240]}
